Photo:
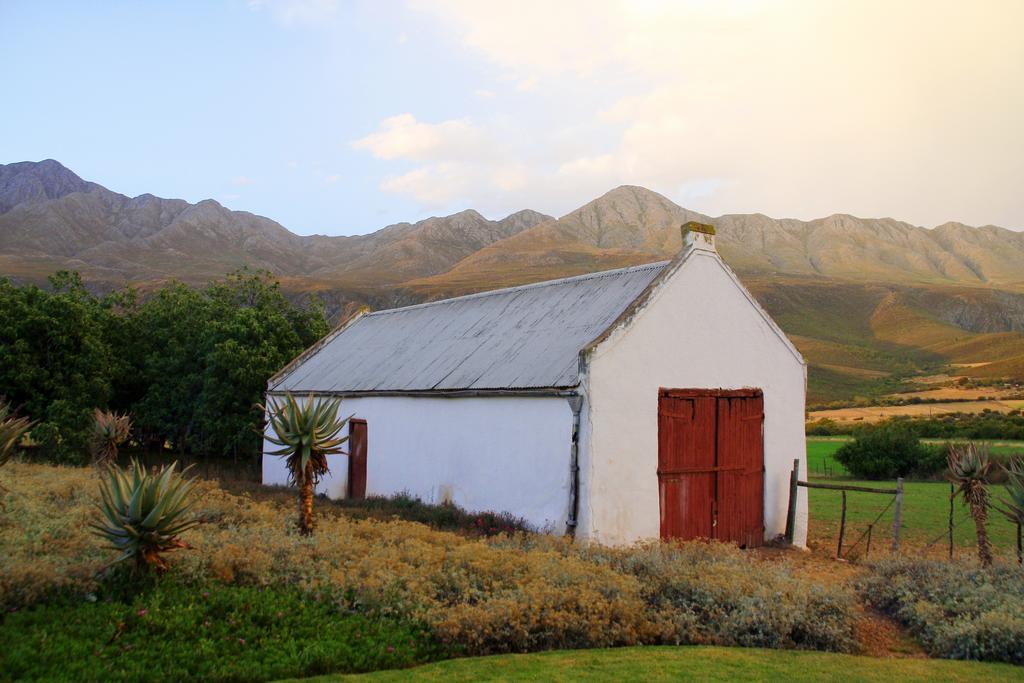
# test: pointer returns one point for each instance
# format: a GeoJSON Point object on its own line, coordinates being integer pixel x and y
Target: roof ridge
{"type": "Point", "coordinates": [531, 285]}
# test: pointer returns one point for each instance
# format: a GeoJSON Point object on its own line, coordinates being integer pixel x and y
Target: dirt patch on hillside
{"type": "Point", "coordinates": [878, 634]}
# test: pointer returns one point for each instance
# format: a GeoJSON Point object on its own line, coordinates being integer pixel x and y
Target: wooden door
{"type": "Point", "coordinates": [357, 458]}
{"type": "Point", "coordinates": [740, 492]}
{"type": "Point", "coordinates": [686, 462]}
{"type": "Point", "coordinates": [711, 464]}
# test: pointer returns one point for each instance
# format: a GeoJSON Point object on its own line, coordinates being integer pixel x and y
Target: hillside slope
{"type": "Point", "coordinates": [867, 301]}
{"type": "Point", "coordinates": [50, 218]}
{"type": "Point", "coordinates": [631, 225]}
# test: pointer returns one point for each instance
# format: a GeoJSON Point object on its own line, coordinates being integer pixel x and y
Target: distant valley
{"type": "Point", "coordinates": [868, 301]}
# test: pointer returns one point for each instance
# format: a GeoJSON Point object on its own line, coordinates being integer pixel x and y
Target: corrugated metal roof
{"type": "Point", "coordinates": [525, 337]}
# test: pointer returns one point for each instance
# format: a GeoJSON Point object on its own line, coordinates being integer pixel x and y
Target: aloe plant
{"type": "Point", "coordinates": [109, 430]}
{"type": "Point", "coordinates": [1013, 505]}
{"type": "Point", "coordinates": [969, 467]}
{"type": "Point", "coordinates": [144, 513]}
{"type": "Point", "coordinates": [307, 433]}
{"type": "Point", "coordinates": [12, 428]}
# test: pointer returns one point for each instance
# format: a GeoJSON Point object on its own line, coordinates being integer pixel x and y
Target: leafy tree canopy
{"type": "Point", "coordinates": [189, 364]}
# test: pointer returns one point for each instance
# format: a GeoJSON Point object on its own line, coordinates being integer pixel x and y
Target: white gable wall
{"type": "Point", "coordinates": [506, 454]}
{"type": "Point", "coordinates": [698, 330]}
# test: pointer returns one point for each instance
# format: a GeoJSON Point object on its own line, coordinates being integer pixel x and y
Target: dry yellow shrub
{"type": "Point", "coordinates": [507, 593]}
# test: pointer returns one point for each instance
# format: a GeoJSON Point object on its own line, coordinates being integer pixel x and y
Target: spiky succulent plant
{"type": "Point", "coordinates": [969, 467]}
{"type": "Point", "coordinates": [109, 430]}
{"type": "Point", "coordinates": [307, 433]}
{"type": "Point", "coordinates": [1013, 504]}
{"type": "Point", "coordinates": [143, 513]}
{"type": "Point", "coordinates": [12, 428]}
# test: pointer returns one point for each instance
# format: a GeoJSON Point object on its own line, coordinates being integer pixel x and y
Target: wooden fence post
{"type": "Point", "coordinates": [952, 495]}
{"type": "Point", "coordinates": [897, 516]}
{"type": "Point", "coordinates": [842, 529]}
{"type": "Point", "coordinates": [794, 477]}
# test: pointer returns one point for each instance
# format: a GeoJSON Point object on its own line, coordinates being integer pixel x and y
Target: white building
{"type": "Point", "coordinates": [646, 402]}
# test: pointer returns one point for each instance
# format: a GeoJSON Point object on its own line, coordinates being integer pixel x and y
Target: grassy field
{"type": "Point", "coordinates": [692, 663]}
{"type": "Point", "coordinates": [869, 414]}
{"type": "Point", "coordinates": [925, 507]}
{"type": "Point", "coordinates": [821, 451]}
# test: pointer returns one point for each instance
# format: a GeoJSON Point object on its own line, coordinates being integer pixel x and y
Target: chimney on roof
{"type": "Point", "coordinates": [698, 236]}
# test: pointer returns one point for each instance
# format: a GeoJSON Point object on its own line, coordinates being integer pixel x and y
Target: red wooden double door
{"type": "Point", "coordinates": [711, 464]}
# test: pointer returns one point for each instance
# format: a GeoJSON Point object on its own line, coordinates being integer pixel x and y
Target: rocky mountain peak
{"type": "Point", "coordinates": [32, 182]}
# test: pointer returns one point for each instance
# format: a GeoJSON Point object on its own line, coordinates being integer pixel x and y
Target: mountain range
{"type": "Point", "coordinates": [864, 299]}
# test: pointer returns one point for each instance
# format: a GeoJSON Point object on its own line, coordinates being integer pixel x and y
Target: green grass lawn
{"type": "Point", "coordinates": [693, 663]}
{"type": "Point", "coordinates": [821, 451]}
{"type": "Point", "coordinates": [925, 506]}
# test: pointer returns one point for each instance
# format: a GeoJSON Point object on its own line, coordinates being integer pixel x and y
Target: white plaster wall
{"type": "Point", "coordinates": [697, 331]}
{"type": "Point", "coordinates": [505, 454]}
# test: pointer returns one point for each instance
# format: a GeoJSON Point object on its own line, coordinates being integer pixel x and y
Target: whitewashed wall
{"type": "Point", "coordinates": [495, 453]}
{"type": "Point", "coordinates": [697, 331]}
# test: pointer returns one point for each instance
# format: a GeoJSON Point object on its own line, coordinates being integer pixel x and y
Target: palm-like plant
{"type": "Point", "coordinates": [306, 433]}
{"type": "Point", "coordinates": [144, 513]}
{"type": "Point", "coordinates": [969, 467]}
{"type": "Point", "coordinates": [12, 428]}
{"type": "Point", "coordinates": [109, 430]}
{"type": "Point", "coordinates": [1013, 504]}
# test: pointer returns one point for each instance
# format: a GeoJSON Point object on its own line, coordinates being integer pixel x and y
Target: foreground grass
{"type": "Point", "coordinates": [176, 632]}
{"type": "Point", "coordinates": [693, 663]}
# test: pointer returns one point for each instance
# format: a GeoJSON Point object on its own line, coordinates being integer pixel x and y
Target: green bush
{"type": "Point", "coordinates": [887, 451]}
{"type": "Point", "coordinates": [956, 611]}
{"type": "Point", "coordinates": [825, 427]}
{"type": "Point", "coordinates": [446, 516]}
{"type": "Point", "coordinates": [174, 632]}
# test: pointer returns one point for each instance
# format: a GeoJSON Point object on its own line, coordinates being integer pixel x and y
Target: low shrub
{"type": "Point", "coordinates": [445, 516]}
{"type": "Point", "coordinates": [507, 593]}
{"type": "Point", "coordinates": [179, 633]}
{"type": "Point", "coordinates": [712, 593]}
{"type": "Point", "coordinates": [887, 451]}
{"type": "Point", "coordinates": [956, 611]}
{"type": "Point", "coordinates": [826, 427]}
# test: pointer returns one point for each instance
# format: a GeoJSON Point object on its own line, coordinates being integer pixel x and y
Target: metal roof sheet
{"type": "Point", "coordinates": [525, 337]}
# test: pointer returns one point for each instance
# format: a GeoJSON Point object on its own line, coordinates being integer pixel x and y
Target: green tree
{"type": "Point", "coordinates": [887, 451]}
{"type": "Point", "coordinates": [170, 328]}
{"type": "Point", "coordinates": [253, 331]}
{"type": "Point", "coordinates": [189, 364]}
{"type": "Point", "coordinates": [54, 360]}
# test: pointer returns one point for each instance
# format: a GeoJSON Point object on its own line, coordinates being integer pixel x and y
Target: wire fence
{"type": "Point", "coordinates": [875, 515]}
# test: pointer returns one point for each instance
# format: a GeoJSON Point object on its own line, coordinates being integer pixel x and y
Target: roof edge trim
{"type": "Point", "coordinates": [531, 285]}
{"type": "Point", "coordinates": [308, 353]}
{"type": "Point", "coordinates": [538, 392]}
{"type": "Point", "coordinates": [626, 317]}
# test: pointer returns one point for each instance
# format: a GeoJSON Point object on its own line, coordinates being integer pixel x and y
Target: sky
{"type": "Point", "coordinates": [341, 117]}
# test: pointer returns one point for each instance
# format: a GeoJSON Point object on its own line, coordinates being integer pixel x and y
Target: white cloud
{"type": "Point", "coordinates": [527, 84]}
{"type": "Point", "coordinates": [908, 109]}
{"type": "Point", "coordinates": [333, 178]}
{"type": "Point", "coordinates": [297, 12]}
{"type": "Point", "coordinates": [484, 93]}
{"type": "Point", "coordinates": [242, 181]}
{"type": "Point", "coordinates": [403, 137]}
